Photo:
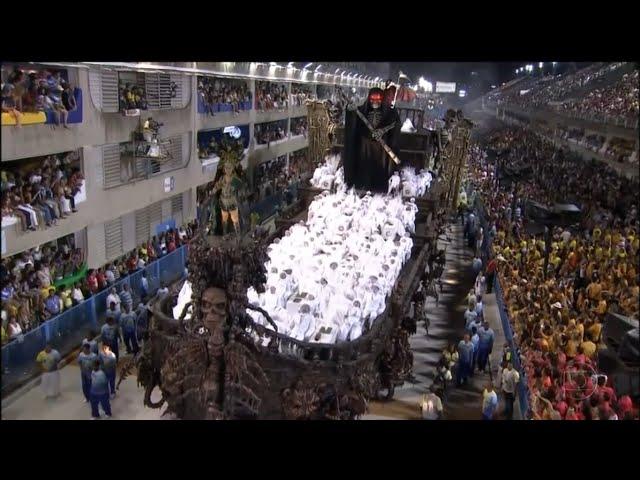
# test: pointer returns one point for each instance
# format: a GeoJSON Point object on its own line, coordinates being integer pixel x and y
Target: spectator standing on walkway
{"type": "Point", "coordinates": [86, 361]}
{"type": "Point", "coordinates": [489, 402]}
{"type": "Point", "coordinates": [49, 360]}
{"type": "Point", "coordinates": [479, 307]}
{"type": "Point", "coordinates": [485, 345]}
{"type": "Point", "coordinates": [109, 362]}
{"type": "Point", "coordinates": [99, 392]}
{"type": "Point", "coordinates": [113, 313]}
{"type": "Point", "coordinates": [510, 379]}
{"type": "Point", "coordinates": [128, 324]}
{"type": "Point", "coordinates": [144, 285]}
{"type": "Point", "coordinates": [91, 340]}
{"type": "Point", "coordinates": [431, 406]}
{"type": "Point", "coordinates": [125, 297]}
{"type": "Point", "coordinates": [111, 335]}
{"type": "Point", "coordinates": [475, 340]}
{"type": "Point", "coordinates": [465, 352]}
{"type": "Point", "coordinates": [491, 271]}
{"type": "Point", "coordinates": [142, 323]}
{"type": "Point", "coordinates": [476, 265]}
{"type": "Point", "coordinates": [470, 316]}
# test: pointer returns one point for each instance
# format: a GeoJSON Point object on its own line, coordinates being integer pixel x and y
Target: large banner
{"type": "Point", "coordinates": [445, 87]}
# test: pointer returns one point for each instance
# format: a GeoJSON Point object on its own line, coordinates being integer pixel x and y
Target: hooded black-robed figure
{"type": "Point", "coordinates": [366, 165]}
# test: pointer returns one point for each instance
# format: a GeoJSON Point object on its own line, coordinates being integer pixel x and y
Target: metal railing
{"type": "Point", "coordinates": [66, 331]}
{"type": "Point", "coordinates": [523, 389]}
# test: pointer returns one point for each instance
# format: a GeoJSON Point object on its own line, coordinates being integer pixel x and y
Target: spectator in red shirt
{"type": "Point", "coordinates": [602, 388]}
{"type": "Point", "coordinates": [571, 414]}
{"type": "Point", "coordinates": [562, 407]}
{"type": "Point", "coordinates": [92, 281]}
{"type": "Point", "coordinates": [132, 262]}
{"type": "Point", "coordinates": [491, 271]}
{"type": "Point", "coordinates": [101, 279]}
{"type": "Point", "coordinates": [625, 405]}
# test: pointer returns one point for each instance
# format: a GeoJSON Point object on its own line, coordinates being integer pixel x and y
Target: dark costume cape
{"type": "Point", "coordinates": [366, 165]}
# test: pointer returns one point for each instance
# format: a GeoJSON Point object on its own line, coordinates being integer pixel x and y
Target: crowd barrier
{"type": "Point", "coordinates": [66, 331]}
{"type": "Point", "coordinates": [523, 389]}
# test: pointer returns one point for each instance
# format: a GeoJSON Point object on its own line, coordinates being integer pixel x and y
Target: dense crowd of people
{"type": "Point", "coordinates": [270, 177]}
{"type": "Point", "coordinates": [277, 175]}
{"type": "Point", "coordinates": [299, 126]}
{"type": "Point", "coordinates": [41, 283]}
{"type": "Point", "coordinates": [38, 90]}
{"type": "Point", "coordinates": [132, 96]}
{"type": "Point", "coordinates": [617, 100]}
{"type": "Point", "coordinates": [41, 191]}
{"type": "Point", "coordinates": [271, 96]}
{"type": "Point", "coordinates": [300, 164]}
{"type": "Point", "coordinates": [214, 91]}
{"type": "Point", "coordinates": [622, 150]}
{"type": "Point", "coordinates": [265, 133]}
{"type": "Point", "coordinates": [300, 94]}
{"type": "Point", "coordinates": [557, 313]}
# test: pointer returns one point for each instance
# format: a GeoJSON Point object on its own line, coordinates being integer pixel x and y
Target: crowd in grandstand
{"type": "Point", "coordinates": [265, 133]}
{"type": "Point", "coordinates": [619, 99]}
{"type": "Point", "coordinates": [276, 176]}
{"type": "Point", "coordinates": [557, 314]}
{"type": "Point", "coordinates": [38, 90]}
{"type": "Point", "coordinates": [300, 165]}
{"type": "Point", "coordinates": [42, 191]}
{"type": "Point", "coordinates": [132, 96]}
{"type": "Point", "coordinates": [214, 91]}
{"type": "Point", "coordinates": [270, 177]}
{"type": "Point", "coordinates": [41, 283]}
{"type": "Point", "coordinates": [300, 94]}
{"type": "Point", "coordinates": [299, 126]}
{"type": "Point", "coordinates": [271, 96]}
